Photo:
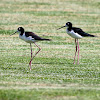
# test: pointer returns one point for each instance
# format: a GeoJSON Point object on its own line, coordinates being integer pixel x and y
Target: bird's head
{"type": "Point", "coordinates": [68, 24]}
{"type": "Point", "coordinates": [20, 30]}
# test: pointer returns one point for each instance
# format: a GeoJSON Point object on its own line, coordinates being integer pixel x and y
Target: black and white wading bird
{"type": "Point", "coordinates": [76, 33]}
{"type": "Point", "coordinates": [30, 37]}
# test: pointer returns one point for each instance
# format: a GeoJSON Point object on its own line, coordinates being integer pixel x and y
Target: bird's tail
{"type": "Point", "coordinates": [47, 39]}
{"type": "Point", "coordinates": [92, 35]}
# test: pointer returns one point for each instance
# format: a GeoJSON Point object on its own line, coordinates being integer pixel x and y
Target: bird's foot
{"type": "Point", "coordinates": [30, 65]}
{"type": "Point", "coordinates": [77, 63]}
{"type": "Point", "coordinates": [74, 62]}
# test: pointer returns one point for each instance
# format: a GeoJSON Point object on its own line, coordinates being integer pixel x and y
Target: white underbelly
{"type": "Point", "coordinates": [27, 39]}
{"type": "Point", "coordinates": [73, 34]}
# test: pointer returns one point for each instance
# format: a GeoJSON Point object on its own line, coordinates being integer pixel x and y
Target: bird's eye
{"type": "Point", "coordinates": [19, 28]}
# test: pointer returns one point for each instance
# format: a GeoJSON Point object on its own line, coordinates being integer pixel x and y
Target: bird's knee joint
{"type": "Point", "coordinates": [39, 49]}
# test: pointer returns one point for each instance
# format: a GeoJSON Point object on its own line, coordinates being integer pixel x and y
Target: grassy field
{"type": "Point", "coordinates": [53, 75]}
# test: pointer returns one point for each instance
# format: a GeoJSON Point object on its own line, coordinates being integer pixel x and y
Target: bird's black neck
{"type": "Point", "coordinates": [22, 32]}
{"type": "Point", "coordinates": [69, 28]}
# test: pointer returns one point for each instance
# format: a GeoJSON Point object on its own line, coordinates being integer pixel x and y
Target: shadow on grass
{"type": "Point", "coordinates": [58, 63]}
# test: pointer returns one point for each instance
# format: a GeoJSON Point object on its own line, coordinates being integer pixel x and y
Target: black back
{"type": "Point", "coordinates": [36, 37]}
{"type": "Point", "coordinates": [33, 35]}
{"type": "Point", "coordinates": [81, 32]}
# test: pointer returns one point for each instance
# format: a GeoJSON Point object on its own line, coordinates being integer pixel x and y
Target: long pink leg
{"type": "Point", "coordinates": [78, 52]}
{"type": "Point", "coordinates": [31, 57]}
{"type": "Point", "coordinates": [34, 55]}
{"type": "Point", "coordinates": [37, 51]}
{"type": "Point", "coordinates": [31, 50]}
{"type": "Point", "coordinates": [75, 51]}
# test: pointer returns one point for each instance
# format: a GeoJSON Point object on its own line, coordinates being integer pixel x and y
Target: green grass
{"type": "Point", "coordinates": [53, 75]}
{"type": "Point", "coordinates": [51, 94]}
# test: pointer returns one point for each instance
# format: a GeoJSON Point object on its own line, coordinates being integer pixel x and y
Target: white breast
{"type": "Point", "coordinates": [26, 39]}
{"type": "Point", "coordinates": [73, 34]}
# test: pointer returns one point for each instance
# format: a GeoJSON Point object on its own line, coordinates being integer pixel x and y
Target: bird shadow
{"type": "Point", "coordinates": [50, 63]}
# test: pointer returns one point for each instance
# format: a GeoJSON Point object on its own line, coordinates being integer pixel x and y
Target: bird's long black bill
{"type": "Point", "coordinates": [13, 33]}
{"type": "Point", "coordinates": [61, 27]}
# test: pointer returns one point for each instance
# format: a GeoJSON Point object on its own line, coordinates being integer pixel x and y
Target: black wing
{"type": "Point", "coordinates": [81, 32]}
{"type": "Point", "coordinates": [33, 35]}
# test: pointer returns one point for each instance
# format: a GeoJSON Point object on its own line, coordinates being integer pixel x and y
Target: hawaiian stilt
{"type": "Point", "coordinates": [30, 37]}
{"type": "Point", "coordinates": [76, 33]}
